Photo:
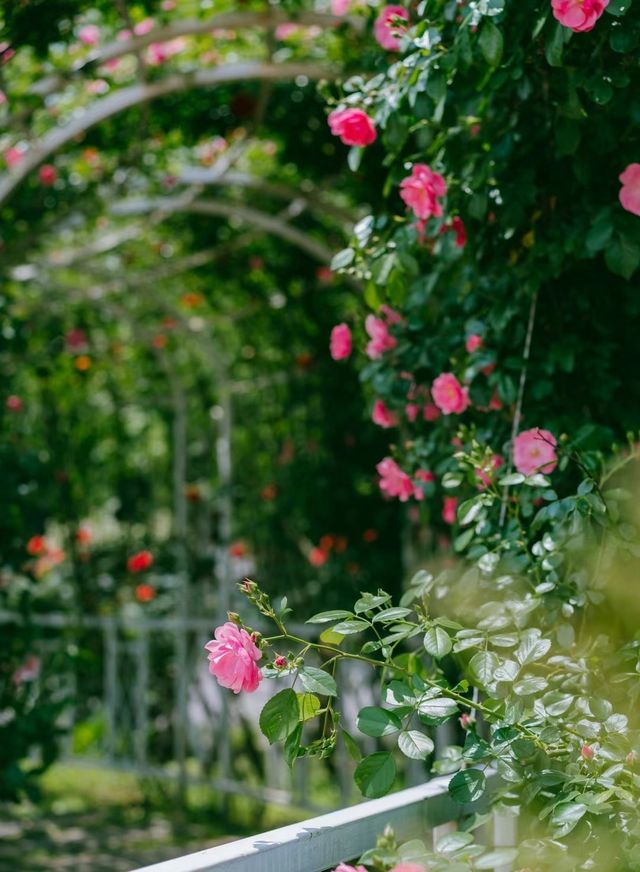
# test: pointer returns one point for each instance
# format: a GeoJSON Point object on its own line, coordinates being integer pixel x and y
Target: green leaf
{"type": "Point", "coordinates": [469, 510]}
{"type": "Point", "coordinates": [531, 684]}
{"type": "Point", "coordinates": [491, 43]}
{"type": "Point", "coordinates": [317, 681]}
{"type": "Point", "coordinates": [513, 478]}
{"type": "Point", "coordinates": [623, 256]}
{"type": "Point", "coordinates": [280, 716]}
{"type": "Point", "coordinates": [437, 642]}
{"type": "Point", "coordinates": [343, 258]}
{"type": "Point", "coordinates": [532, 649]}
{"type": "Point", "coordinates": [292, 746]}
{"type": "Point", "coordinates": [415, 744]}
{"type": "Point", "coordinates": [308, 705]}
{"type": "Point", "coordinates": [388, 615]}
{"type": "Point", "coordinates": [565, 817]}
{"type": "Point", "coordinates": [441, 707]}
{"type": "Point", "coordinates": [368, 601]}
{"type": "Point", "coordinates": [375, 721]}
{"type": "Point", "coordinates": [354, 157]}
{"type": "Point", "coordinates": [325, 617]}
{"type": "Point", "coordinates": [483, 665]}
{"type": "Point", "coordinates": [352, 746]}
{"type": "Point", "coordinates": [495, 858]}
{"type": "Point", "coordinates": [375, 774]}
{"type": "Point", "coordinates": [453, 842]}
{"type": "Point", "coordinates": [346, 628]}
{"type": "Point", "coordinates": [467, 786]}
{"type": "Point", "coordinates": [554, 44]}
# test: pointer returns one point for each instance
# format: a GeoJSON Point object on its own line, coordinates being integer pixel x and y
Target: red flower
{"type": "Point", "coordinates": [37, 545]}
{"type": "Point", "coordinates": [317, 557]}
{"type": "Point", "coordinates": [83, 536]}
{"type": "Point", "coordinates": [14, 403]}
{"type": "Point", "coordinates": [145, 593]}
{"type": "Point", "coordinates": [47, 174]}
{"type": "Point", "coordinates": [237, 549]}
{"type": "Point", "coordinates": [140, 562]}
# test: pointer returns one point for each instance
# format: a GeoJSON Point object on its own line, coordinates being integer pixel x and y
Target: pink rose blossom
{"type": "Point", "coordinates": [160, 52]}
{"type": "Point", "coordinates": [232, 658]}
{"type": "Point", "coordinates": [449, 395]}
{"type": "Point", "coordinates": [284, 31]}
{"type": "Point", "coordinates": [344, 867]}
{"type": "Point", "coordinates": [535, 451]}
{"type": "Point", "coordinates": [474, 341]}
{"type": "Point", "coordinates": [47, 174]}
{"type": "Point", "coordinates": [408, 867]}
{"type": "Point", "coordinates": [421, 189]}
{"type": "Point", "coordinates": [457, 225]}
{"type": "Point", "coordinates": [13, 156]}
{"type": "Point", "coordinates": [393, 481]}
{"type": "Point", "coordinates": [340, 7]}
{"type": "Point", "coordinates": [386, 30]}
{"type": "Point", "coordinates": [630, 191]}
{"type": "Point", "coordinates": [381, 339]}
{"type": "Point", "coordinates": [353, 126]}
{"type": "Point", "coordinates": [578, 15]}
{"type": "Point", "coordinates": [144, 27]}
{"type": "Point", "coordinates": [426, 477]}
{"type": "Point", "coordinates": [411, 411]}
{"type": "Point", "coordinates": [449, 506]}
{"type": "Point", "coordinates": [382, 416]}
{"type": "Point", "coordinates": [587, 753]}
{"type": "Point", "coordinates": [89, 35]}
{"type": "Point", "coordinates": [340, 344]}
{"type": "Point", "coordinates": [495, 403]}
{"type": "Point", "coordinates": [431, 412]}
{"type": "Point", "coordinates": [392, 317]}
{"type": "Point", "coordinates": [28, 671]}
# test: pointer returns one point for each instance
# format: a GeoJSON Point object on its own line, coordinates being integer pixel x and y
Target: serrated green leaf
{"type": "Point", "coordinates": [317, 681]}
{"type": "Point", "coordinates": [375, 721]}
{"type": "Point", "coordinates": [437, 642]}
{"type": "Point", "coordinates": [415, 744]}
{"type": "Point", "coordinates": [280, 715]}
{"type": "Point", "coordinates": [375, 774]}
{"type": "Point", "coordinates": [467, 786]}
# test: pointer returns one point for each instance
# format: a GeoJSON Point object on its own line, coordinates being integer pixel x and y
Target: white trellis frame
{"type": "Point", "coordinates": [426, 812]}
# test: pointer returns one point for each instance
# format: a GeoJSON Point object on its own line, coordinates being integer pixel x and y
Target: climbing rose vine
{"type": "Point", "coordinates": [497, 274]}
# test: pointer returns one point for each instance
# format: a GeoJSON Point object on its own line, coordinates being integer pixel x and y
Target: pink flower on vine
{"type": "Point", "coordinates": [353, 126]}
{"type": "Point", "coordinates": [431, 412]}
{"type": "Point", "coordinates": [344, 867]}
{"type": "Point", "coordinates": [420, 191]}
{"type": "Point", "coordinates": [13, 156]}
{"type": "Point", "coordinates": [486, 476]}
{"type": "Point", "coordinates": [393, 481]}
{"type": "Point", "coordinates": [473, 343]}
{"type": "Point", "coordinates": [535, 451]}
{"type": "Point", "coordinates": [387, 29]}
{"type": "Point", "coordinates": [449, 395]}
{"type": "Point", "coordinates": [392, 317]}
{"type": "Point", "coordinates": [340, 7]}
{"type": "Point", "coordinates": [382, 416]}
{"type": "Point", "coordinates": [89, 35]}
{"type": "Point", "coordinates": [630, 191]}
{"type": "Point", "coordinates": [341, 344]}
{"type": "Point", "coordinates": [381, 339]}
{"type": "Point", "coordinates": [578, 15]}
{"type": "Point", "coordinates": [232, 658]}
{"type": "Point", "coordinates": [449, 507]}
{"type": "Point", "coordinates": [411, 411]}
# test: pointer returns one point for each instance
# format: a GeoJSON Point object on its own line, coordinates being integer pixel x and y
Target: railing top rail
{"type": "Point", "coordinates": [322, 842]}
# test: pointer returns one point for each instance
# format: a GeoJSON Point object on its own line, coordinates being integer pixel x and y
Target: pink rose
{"type": "Point", "coordinates": [13, 156]}
{"type": "Point", "coordinates": [449, 395]}
{"type": "Point", "coordinates": [578, 15]}
{"type": "Point", "coordinates": [47, 174]}
{"type": "Point", "coordinates": [89, 34]}
{"type": "Point", "coordinates": [385, 29]}
{"type": "Point", "coordinates": [426, 477]}
{"type": "Point", "coordinates": [421, 189]}
{"type": "Point", "coordinates": [474, 341]}
{"type": "Point", "coordinates": [382, 416]}
{"type": "Point", "coordinates": [457, 225]}
{"type": "Point", "coordinates": [144, 27]}
{"type": "Point", "coordinates": [431, 412]}
{"type": "Point", "coordinates": [344, 867]}
{"type": "Point", "coordinates": [340, 344]}
{"type": "Point", "coordinates": [392, 317]}
{"type": "Point", "coordinates": [449, 506]}
{"type": "Point", "coordinates": [630, 191]}
{"type": "Point", "coordinates": [160, 52]}
{"type": "Point", "coordinates": [353, 126]}
{"type": "Point", "coordinates": [29, 670]}
{"type": "Point", "coordinates": [393, 481]}
{"type": "Point", "coordinates": [232, 658]}
{"type": "Point", "coordinates": [535, 451]}
{"type": "Point", "coordinates": [411, 411]}
{"type": "Point", "coordinates": [381, 339]}
{"type": "Point", "coordinates": [340, 7]}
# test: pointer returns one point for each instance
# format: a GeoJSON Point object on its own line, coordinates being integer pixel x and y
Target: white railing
{"type": "Point", "coordinates": [321, 843]}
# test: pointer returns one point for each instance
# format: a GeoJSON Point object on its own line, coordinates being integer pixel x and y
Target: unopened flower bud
{"type": "Point", "coordinates": [587, 752]}
{"type": "Point", "coordinates": [280, 662]}
{"type": "Point", "coordinates": [234, 617]}
{"type": "Point", "coordinates": [465, 721]}
{"type": "Point", "coordinates": [631, 758]}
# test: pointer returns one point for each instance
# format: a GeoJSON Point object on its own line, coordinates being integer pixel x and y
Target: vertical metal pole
{"type": "Point", "coordinates": [181, 678]}
{"type": "Point", "coordinates": [223, 567]}
{"type": "Point", "coordinates": [142, 696]}
{"type": "Point", "coordinates": [110, 645]}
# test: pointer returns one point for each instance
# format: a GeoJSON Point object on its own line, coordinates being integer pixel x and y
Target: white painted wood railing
{"type": "Point", "coordinates": [321, 843]}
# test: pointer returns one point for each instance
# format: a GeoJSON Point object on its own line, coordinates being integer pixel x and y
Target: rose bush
{"type": "Point", "coordinates": [509, 372]}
